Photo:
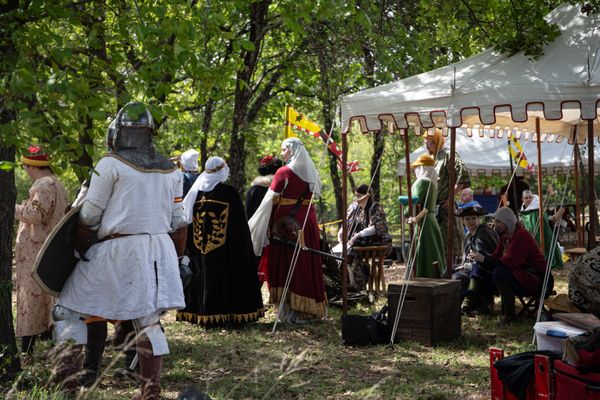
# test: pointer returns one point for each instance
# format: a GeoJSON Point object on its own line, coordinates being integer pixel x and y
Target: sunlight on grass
{"type": "Point", "coordinates": [307, 362]}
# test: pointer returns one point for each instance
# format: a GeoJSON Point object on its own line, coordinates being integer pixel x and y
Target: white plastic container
{"type": "Point", "coordinates": [551, 335]}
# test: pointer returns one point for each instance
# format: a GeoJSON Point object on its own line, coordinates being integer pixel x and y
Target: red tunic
{"type": "Point", "coordinates": [306, 293]}
{"type": "Point", "coordinates": [521, 254]}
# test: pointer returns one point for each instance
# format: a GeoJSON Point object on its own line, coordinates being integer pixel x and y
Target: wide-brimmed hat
{"type": "Point", "coordinates": [561, 302]}
{"type": "Point", "coordinates": [423, 160]}
{"type": "Point", "coordinates": [471, 208]}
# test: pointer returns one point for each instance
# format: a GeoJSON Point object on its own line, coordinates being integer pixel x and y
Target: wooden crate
{"type": "Point", "coordinates": [431, 311]}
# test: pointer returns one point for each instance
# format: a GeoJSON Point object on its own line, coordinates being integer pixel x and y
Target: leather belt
{"type": "Point", "coordinates": [115, 236]}
{"type": "Point", "coordinates": [290, 202]}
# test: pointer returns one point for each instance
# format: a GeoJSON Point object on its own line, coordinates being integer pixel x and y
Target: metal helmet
{"type": "Point", "coordinates": [129, 138]}
{"type": "Point", "coordinates": [132, 127]}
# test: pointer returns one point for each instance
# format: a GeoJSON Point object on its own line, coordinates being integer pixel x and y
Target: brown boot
{"type": "Point", "coordinates": [150, 368]}
{"type": "Point", "coordinates": [68, 367]}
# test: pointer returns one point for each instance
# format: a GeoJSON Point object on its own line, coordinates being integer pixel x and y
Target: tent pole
{"type": "Point", "coordinates": [539, 174]}
{"type": "Point", "coordinates": [451, 194]}
{"type": "Point", "coordinates": [408, 187]}
{"type": "Point", "coordinates": [514, 200]}
{"type": "Point", "coordinates": [593, 218]}
{"type": "Point", "coordinates": [344, 224]}
{"type": "Point", "coordinates": [402, 224]}
{"type": "Point", "coordinates": [577, 200]}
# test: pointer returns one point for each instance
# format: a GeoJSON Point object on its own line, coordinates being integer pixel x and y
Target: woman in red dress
{"type": "Point", "coordinates": [289, 195]}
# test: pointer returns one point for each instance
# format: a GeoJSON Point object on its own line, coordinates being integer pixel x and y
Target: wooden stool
{"type": "Point", "coordinates": [575, 252]}
{"type": "Point", "coordinates": [374, 256]}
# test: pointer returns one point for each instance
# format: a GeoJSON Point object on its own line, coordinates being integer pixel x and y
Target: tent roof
{"type": "Point", "coordinates": [496, 92]}
{"type": "Point", "coordinates": [489, 157]}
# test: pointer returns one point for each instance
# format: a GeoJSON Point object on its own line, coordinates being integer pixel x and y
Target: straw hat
{"type": "Point", "coordinates": [561, 302]}
{"type": "Point", "coordinates": [423, 160]}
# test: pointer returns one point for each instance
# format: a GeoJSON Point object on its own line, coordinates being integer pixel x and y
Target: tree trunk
{"type": "Point", "coordinates": [206, 123]}
{"type": "Point", "coordinates": [237, 155]}
{"type": "Point", "coordinates": [378, 136]}
{"type": "Point", "coordinates": [243, 93]}
{"type": "Point", "coordinates": [10, 365]}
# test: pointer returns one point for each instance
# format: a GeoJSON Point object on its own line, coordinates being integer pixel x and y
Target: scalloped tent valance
{"type": "Point", "coordinates": [485, 157]}
{"type": "Point", "coordinates": [498, 93]}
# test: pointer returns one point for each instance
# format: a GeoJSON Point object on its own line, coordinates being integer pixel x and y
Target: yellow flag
{"type": "Point", "coordinates": [517, 154]}
{"type": "Point", "coordinates": [295, 120]}
{"type": "Point", "coordinates": [288, 132]}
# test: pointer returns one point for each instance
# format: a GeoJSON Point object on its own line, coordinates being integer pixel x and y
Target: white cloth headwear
{"type": "Point", "coordinates": [302, 165]}
{"type": "Point", "coordinates": [215, 171]}
{"type": "Point", "coordinates": [534, 205]}
{"type": "Point", "coordinates": [426, 171]}
{"type": "Point", "coordinates": [189, 160]}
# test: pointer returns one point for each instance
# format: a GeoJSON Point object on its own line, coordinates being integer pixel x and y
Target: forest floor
{"type": "Point", "coordinates": [307, 362]}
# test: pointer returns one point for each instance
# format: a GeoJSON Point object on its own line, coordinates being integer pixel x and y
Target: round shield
{"type": "Point", "coordinates": [56, 260]}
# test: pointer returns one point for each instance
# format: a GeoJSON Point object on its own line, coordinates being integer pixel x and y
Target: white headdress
{"type": "Point", "coordinates": [215, 171]}
{"type": "Point", "coordinates": [189, 160]}
{"type": "Point", "coordinates": [302, 165]}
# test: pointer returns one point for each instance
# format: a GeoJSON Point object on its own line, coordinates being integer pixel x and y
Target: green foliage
{"type": "Point", "coordinates": [6, 166]}
{"type": "Point", "coordinates": [75, 65]}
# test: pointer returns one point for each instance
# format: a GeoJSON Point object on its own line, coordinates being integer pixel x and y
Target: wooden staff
{"type": "Point", "coordinates": [408, 190]}
{"type": "Point", "coordinates": [451, 184]}
{"type": "Point", "coordinates": [344, 224]}
{"type": "Point", "coordinates": [592, 197]}
{"type": "Point", "coordinates": [539, 174]}
{"type": "Point", "coordinates": [577, 200]}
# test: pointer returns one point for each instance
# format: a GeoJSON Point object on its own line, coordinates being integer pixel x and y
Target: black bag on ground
{"type": "Point", "coordinates": [363, 330]}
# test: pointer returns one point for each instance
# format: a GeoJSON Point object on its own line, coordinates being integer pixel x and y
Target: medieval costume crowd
{"type": "Point", "coordinates": [183, 240]}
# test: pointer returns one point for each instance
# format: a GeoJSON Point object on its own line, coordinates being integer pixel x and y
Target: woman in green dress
{"type": "Point", "coordinates": [530, 216]}
{"type": "Point", "coordinates": [430, 246]}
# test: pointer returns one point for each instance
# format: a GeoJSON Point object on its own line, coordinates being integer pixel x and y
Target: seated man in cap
{"type": "Point", "coordinates": [518, 264]}
{"type": "Point", "coordinates": [478, 287]}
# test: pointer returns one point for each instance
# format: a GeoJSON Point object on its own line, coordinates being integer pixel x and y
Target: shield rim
{"type": "Point", "coordinates": [45, 246]}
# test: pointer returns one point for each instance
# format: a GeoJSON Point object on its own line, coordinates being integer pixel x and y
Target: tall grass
{"type": "Point", "coordinates": [304, 362]}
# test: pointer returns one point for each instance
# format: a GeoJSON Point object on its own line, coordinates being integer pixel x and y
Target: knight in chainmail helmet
{"type": "Point", "coordinates": [130, 138]}
{"type": "Point", "coordinates": [131, 230]}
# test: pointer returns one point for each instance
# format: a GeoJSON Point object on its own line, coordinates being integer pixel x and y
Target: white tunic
{"type": "Point", "coordinates": [132, 276]}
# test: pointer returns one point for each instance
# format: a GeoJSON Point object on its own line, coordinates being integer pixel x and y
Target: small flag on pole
{"type": "Point", "coordinates": [516, 152]}
{"type": "Point", "coordinates": [295, 120]}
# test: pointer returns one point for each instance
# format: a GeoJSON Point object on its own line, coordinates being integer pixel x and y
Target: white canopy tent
{"type": "Point", "coordinates": [491, 94]}
{"type": "Point", "coordinates": [498, 92]}
{"type": "Point", "coordinates": [485, 157]}
{"type": "Point", "coordinates": [554, 97]}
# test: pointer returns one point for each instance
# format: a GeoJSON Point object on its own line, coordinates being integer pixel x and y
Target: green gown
{"type": "Point", "coordinates": [430, 247]}
{"type": "Point", "coordinates": [530, 220]}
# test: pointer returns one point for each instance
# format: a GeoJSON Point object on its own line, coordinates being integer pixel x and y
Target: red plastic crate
{"type": "Point", "coordinates": [499, 392]}
{"type": "Point", "coordinates": [570, 384]}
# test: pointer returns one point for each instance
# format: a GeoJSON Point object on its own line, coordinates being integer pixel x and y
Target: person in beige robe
{"type": "Point", "coordinates": [37, 215]}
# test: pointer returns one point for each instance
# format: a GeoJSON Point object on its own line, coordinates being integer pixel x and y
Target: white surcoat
{"type": "Point", "coordinates": [131, 276]}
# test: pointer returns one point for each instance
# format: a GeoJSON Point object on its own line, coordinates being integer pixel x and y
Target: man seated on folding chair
{"type": "Point", "coordinates": [478, 288]}
{"type": "Point", "coordinates": [367, 224]}
{"type": "Point", "coordinates": [518, 264]}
